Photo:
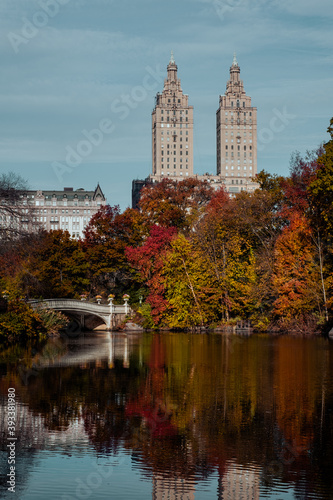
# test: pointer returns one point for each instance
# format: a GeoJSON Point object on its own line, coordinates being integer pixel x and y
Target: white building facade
{"type": "Point", "coordinates": [67, 210]}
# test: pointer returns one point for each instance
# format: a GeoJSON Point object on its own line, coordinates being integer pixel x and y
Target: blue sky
{"type": "Point", "coordinates": [70, 67]}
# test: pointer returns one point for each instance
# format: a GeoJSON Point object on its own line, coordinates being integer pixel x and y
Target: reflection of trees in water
{"type": "Point", "coordinates": [187, 404]}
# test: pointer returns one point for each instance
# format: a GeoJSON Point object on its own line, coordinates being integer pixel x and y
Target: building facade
{"type": "Point", "coordinates": [68, 210]}
{"type": "Point", "coordinates": [172, 130]}
{"type": "Point", "coordinates": [172, 137]}
{"type": "Point", "coordinates": [236, 131]}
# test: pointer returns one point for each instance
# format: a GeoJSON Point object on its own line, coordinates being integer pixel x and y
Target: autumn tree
{"type": "Point", "coordinates": [271, 183]}
{"type": "Point", "coordinates": [106, 237]}
{"type": "Point", "coordinates": [321, 189]}
{"type": "Point", "coordinates": [233, 234]}
{"type": "Point", "coordinates": [172, 203]}
{"type": "Point", "coordinates": [296, 279]}
{"type": "Point", "coordinates": [191, 288]}
{"type": "Point", "coordinates": [148, 261]}
{"type": "Point", "coordinates": [58, 266]}
{"type": "Point", "coordinates": [295, 188]}
{"type": "Point", "coordinates": [15, 259]}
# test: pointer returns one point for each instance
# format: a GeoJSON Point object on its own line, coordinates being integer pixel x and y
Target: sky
{"type": "Point", "coordinates": [79, 79]}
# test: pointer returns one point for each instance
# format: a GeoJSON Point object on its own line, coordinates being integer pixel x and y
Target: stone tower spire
{"type": "Point", "coordinates": [236, 131]}
{"type": "Point", "coordinates": [172, 130]}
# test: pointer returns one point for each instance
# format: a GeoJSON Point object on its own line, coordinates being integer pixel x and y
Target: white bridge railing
{"type": "Point", "coordinates": [105, 311]}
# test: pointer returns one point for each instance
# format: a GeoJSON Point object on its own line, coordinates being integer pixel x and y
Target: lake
{"type": "Point", "coordinates": [169, 416]}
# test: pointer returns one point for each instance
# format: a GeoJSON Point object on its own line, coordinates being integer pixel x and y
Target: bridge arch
{"type": "Point", "coordinates": [109, 314]}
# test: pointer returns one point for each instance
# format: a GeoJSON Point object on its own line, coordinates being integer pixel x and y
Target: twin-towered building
{"type": "Point", "coordinates": [172, 157]}
{"type": "Point", "coordinates": [172, 136]}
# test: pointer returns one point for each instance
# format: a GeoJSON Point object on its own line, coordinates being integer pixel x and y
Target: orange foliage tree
{"type": "Point", "coordinates": [296, 278]}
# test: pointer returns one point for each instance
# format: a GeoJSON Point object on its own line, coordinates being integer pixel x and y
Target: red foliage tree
{"type": "Point", "coordinates": [148, 260]}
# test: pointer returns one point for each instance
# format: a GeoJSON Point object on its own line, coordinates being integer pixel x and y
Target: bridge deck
{"type": "Point", "coordinates": [110, 314]}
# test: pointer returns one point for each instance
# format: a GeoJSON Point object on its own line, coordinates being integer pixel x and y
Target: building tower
{"type": "Point", "coordinates": [172, 130]}
{"type": "Point", "coordinates": [236, 131]}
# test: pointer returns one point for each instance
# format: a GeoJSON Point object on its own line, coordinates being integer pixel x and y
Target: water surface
{"type": "Point", "coordinates": [170, 415]}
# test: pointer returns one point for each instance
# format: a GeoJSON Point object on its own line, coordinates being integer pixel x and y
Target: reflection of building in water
{"type": "Point", "coordinates": [32, 435]}
{"type": "Point", "coordinates": [239, 483]}
{"type": "Point", "coordinates": [32, 432]}
{"type": "Point", "coordinates": [172, 488]}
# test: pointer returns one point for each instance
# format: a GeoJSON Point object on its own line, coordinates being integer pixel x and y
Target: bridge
{"type": "Point", "coordinates": [87, 315]}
